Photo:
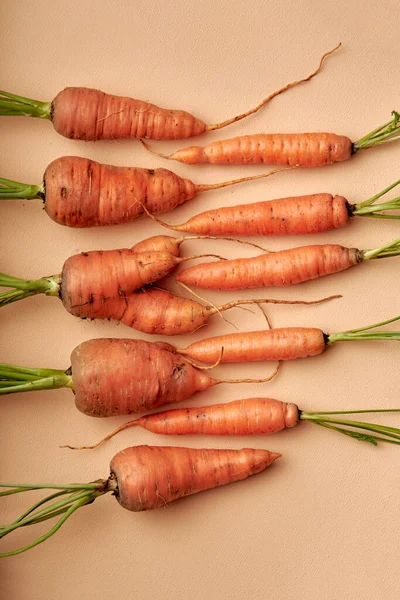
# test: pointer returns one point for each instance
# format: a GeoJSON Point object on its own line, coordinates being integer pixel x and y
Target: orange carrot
{"type": "Point", "coordinates": [296, 149]}
{"type": "Point", "coordinates": [283, 268]}
{"type": "Point", "coordinates": [88, 114]}
{"type": "Point", "coordinates": [254, 416]}
{"type": "Point", "coordinates": [285, 343]}
{"type": "Point", "coordinates": [144, 478]}
{"type": "Point", "coordinates": [117, 377]}
{"type": "Point", "coordinates": [78, 192]}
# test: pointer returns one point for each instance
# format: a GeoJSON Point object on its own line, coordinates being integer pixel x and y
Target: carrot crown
{"type": "Point", "coordinates": [64, 502]}
{"type": "Point", "coordinates": [389, 132]}
{"type": "Point", "coordinates": [12, 105]}
{"type": "Point", "coordinates": [14, 189]}
{"type": "Point", "coordinates": [368, 208]}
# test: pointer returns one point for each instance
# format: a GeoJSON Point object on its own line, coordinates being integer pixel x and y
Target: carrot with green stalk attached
{"type": "Point", "coordinates": [141, 478]}
{"type": "Point", "coordinates": [255, 416]}
{"type": "Point", "coordinates": [282, 268]}
{"type": "Point", "coordinates": [78, 192]}
{"type": "Point", "coordinates": [285, 343]}
{"type": "Point", "coordinates": [86, 114]}
{"type": "Point", "coordinates": [295, 149]}
{"type": "Point", "coordinates": [313, 213]}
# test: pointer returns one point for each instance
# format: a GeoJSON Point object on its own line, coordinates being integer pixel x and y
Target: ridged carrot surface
{"type": "Point", "coordinates": [150, 477]}
{"type": "Point", "coordinates": [283, 268]}
{"type": "Point", "coordinates": [122, 376]}
{"type": "Point", "coordinates": [286, 343]}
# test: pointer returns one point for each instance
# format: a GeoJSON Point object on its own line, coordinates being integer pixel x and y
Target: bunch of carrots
{"type": "Point", "coordinates": [123, 376]}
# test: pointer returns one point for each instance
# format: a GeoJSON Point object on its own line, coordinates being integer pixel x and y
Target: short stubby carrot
{"type": "Point", "coordinates": [88, 114]}
{"type": "Point", "coordinates": [282, 268]}
{"type": "Point", "coordinates": [295, 149]}
{"type": "Point", "coordinates": [312, 213]}
{"type": "Point", "coordinates": [143, 478]}
{"type": "Point", "coordinates": [283, 343]}
{"type": "Point", "coordinates": [78, 192]}
{"type": "Point", "coordinates": [254, 416]}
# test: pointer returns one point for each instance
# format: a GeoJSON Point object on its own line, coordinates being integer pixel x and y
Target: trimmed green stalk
{"type": "Point", "coordinates": [18, 106]}
{"type": "Point", "coordinates": [24, 288]}
{"type": "Point", "coordinates": [14, 379]}
{"type": "Point", "coordinates": [389, 132]}
{"type": "Point", "coordinates": [10, 190]}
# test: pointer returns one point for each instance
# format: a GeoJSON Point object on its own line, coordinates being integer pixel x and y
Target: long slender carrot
{"type": "Point", "coordinates": [87, 114]}
{"type": "Point", "coordinates": [313, 213]}
{"type": "Point", "coordinates": [78, 192]}
{"type": "Point", "coordinates": [254, 416]}
{"type": "Point", "coordinates": [117, 377]}
{"type": "Point", "coordinates": [285, 343]}
{"type": "Point", "coordinates": [283, 268]}
{"type": "Point", "coordinates": [296, 149]}
{"type": "Point", "coordinates": [141, 478]}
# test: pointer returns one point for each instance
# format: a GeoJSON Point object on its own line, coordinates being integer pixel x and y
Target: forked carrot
{"type": "Point", "coordinates": [254, 416]}
{"type": "Point", "coordinates": [141, 478]}
{"type": "Point", "coordinates": [118, 377]}
{"type": "Point", "coordinates": [295, 149]}
{"type": "Point", "coordinates": [78, 192]}
{"type": "Point", "coordinates": [283, 268]}
{"type": "Point", "coordinates": [285, 343]}
{"type": "Point", "coordinates": [313, 213]}
{"type": "Point", "coordinates": [87, 114]}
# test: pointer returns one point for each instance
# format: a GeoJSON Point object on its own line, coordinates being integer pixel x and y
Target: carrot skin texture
{"type": "Point", "coordinates": [157, 311]}
{"type": "Point", "coordinates": [96, 284]}
{"type": "Point", "coordinates": [83, 193]}
{"type": "Point", "coordinates": [275, 269]}
{"type": "Point", "coordinates": [159, 243]}
{"type": "Point", "coordinates": [88, 114]}
{"type": "Point", "coordinates": [286, 343]}
{"type": "Point", "coordinates": [302, 149]}
{"type": "Point", "coordinates": [251, 416]}
{"type": "Point", "coordinates": [152, 476]}
{"type": "Point", "coordinates": [122, 376]}
{"type": "Point", "coordinates": [284, 216]}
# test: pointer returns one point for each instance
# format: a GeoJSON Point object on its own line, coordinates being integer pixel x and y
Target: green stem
{"type": "Point", "coordinates": [17, 106]}
{"type": "Point", "coordinates": [14, 189]}
{"type": "Point", "coordinates": [391, 249]}
{"type": "Point", "coordinates": [77, 495]}
{"type": "Point", "coordinates": [364, 333]}
{"type": "Point", "coordinates": [24, 288]}
{"type": "Point", "coordinates": [21, 379]}
{"type": "Point", "coordinates": [388, 132]}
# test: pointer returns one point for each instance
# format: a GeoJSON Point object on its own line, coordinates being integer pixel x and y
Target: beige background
{"type": "Point", "coordinates": [323, 522]}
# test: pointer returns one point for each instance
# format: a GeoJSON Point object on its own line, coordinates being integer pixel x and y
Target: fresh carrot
{"type": "Point", "coordinates": [278, 344]}
{"type": "Point", "coordinates": [295, 215]}
{"type": "Point", "coordinates": [296, 149]}
{"type": "Point", "coordinates": [254, 416]}
{"type": "Point", "coordinates": [87, 114]}
{"type": "Point", "coordinates": [78, 192]}
{"type": "Point", "coordinates": [283, 268]}
{"type": "Point", "coordinates": [117, 377]}
{"type": "Point", "coordinates": [142, 478]}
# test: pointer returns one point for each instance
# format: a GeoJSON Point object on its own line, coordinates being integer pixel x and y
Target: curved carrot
{"type": "Point", "coordinates": [283, 268]}
{"type": "Point", "coordinates": [88, 114]}
{"type": "Point", "coordinates": [296, 149]}
{"type": "Point", "coordinates": [142, 478]}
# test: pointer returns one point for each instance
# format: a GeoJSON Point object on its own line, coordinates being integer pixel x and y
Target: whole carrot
{"type": "Point", "coordinates": [87, 114]}
{"type": "Point", "coordinates": [254, 416]}
{"type": "Point", "coordinates": [285, 343]}
{"type": "Point", "coordinates": [283, 268]}
{"type": "Point", "coordinates": [117, 377]}
{"type": "Point", "coordinates": [296, 149]}
{"type": "Point", "coordinates": [142, 478]}
{"type": "Point", "coordinates": [313, 213]}
{"type": "Point", "coordinates": [78, 192]}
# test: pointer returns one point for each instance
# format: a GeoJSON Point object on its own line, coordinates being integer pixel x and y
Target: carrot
{"type": "Point", "coordinates": [87, 114]}
{"type": "Point", "coordinates": [313, 213]}
{"type": "Point", "coordinates": [142, 478]}
{"type": "Point", "coordinates": [253, 416]}
{"type": "Point", "coordinates": [296, 149]}
{"type": "Point", "coordinates": [117, 377]}
{"type": "Point", "coordinates": [283, 268]}
{"type": "Point", "coordinates": [78, 192]}
{"type": "Point", "coordinates": [278, 344]}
